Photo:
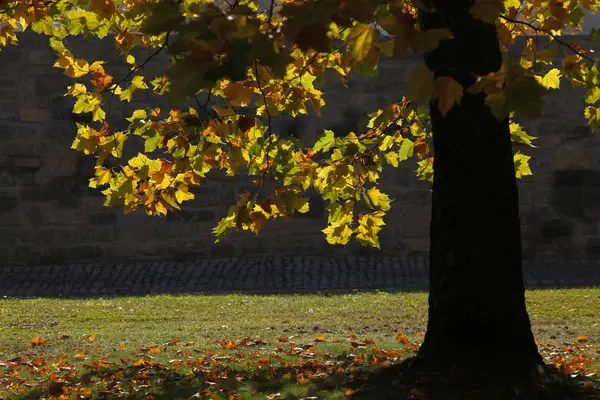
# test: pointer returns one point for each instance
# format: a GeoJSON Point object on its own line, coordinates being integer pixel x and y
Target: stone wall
{"type": "Point", "coordinates": [48, 215]}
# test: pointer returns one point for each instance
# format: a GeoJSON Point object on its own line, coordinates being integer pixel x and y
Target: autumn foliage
{"type": "Point", "coordinates": [238, 66]}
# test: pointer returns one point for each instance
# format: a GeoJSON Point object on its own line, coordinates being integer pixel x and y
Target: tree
{"type": "Point", "coordinates": [227, 57]}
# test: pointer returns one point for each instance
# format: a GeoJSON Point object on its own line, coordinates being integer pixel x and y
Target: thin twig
{"type": "Point", "coordinates": [553, 36]}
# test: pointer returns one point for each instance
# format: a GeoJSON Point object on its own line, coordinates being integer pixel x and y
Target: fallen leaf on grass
{"type": "Point", "coordinates": [402, 339]}
{"type": "Point", "coordinates": [38, 341]}
{"type": "Point", "coordinates": [88, 338]}
{"type": "Point", "coordinates": [582, 339]}
{"type": "Point", "coordinates": [154, 349]}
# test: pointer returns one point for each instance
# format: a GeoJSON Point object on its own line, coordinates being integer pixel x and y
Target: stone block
{"type": "Point", "coordinates": [222, 250]}
{"type": "Point", "coordinates": [556, 228]}
{"type": "Point", "coordinates": [51, 84]}
{"type": "Point", "coordinates": [33, 215]}
{"type": "Point", "coordinates": [8, 201]}
{"type": "Point", "coordinates": [7, 131]}
{"type": "Point", "coordinates": [100, 234]}
{"type": "Point", "coordinates": [102, 218]}
{"type": "Point", "coordinates": [26, 163]}
{"type": "Point", "coordinates": [151, 250]}
{"type": "Point", "coordinates": [40, 57]}
{"type": "Point", "coordinates": [60, 133]}
{"type": "Point", "coordinates": [191, 216]}
{"type": "Point", "coordinates": [64, 254]}
{"type": "Point", "coordinates": [34, 115]}
{"type": "Point", "coordinates": [592, 211]}
{"type": "Point", "coordinates": [34, 236]}
{"type": "Point", "coordinates": [571, 156]}
{"type": "Point", "coordinates": [66, 216]}
{"type": "Point", "coordinates": [60, 162]}
{"type": "Point", "coordinates": [10, 218]}
{"type": "Point", "coordinates": [592, 247]}
{"type": "Point", "coordinates": [9, 111]}
{"type": "Point", "coordinates": [181, 250]}
{"type": "Point", "coordinates": [8, 236]}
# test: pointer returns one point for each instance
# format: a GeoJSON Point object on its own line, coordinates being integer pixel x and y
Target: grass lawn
{"type": "Point", "coordinates": [246, 346]}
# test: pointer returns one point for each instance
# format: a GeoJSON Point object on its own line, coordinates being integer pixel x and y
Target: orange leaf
{"type": "Point", "coordinates": [228, 344]}
{"type": "Point", "coordinates": [122, 347]}
{"type": "Point", "coordinates": [264, 360]}
{"type": "Point", "coordinates": [38, 341]}
{"type": "Point", "coordinates": [582, 338]}
{"type": "Point", "coordinates": [402, 339]}
{"type": "Point", "coordinates": [348, 391]}
{"type": "Point", "coordinates": [320, 339]}
{"type": "Point", "coordinates": [88, 338]}
{"type": "Point", "coordinates": [81, 356]}
{"type": "Point", "coordinates": [154, 349]}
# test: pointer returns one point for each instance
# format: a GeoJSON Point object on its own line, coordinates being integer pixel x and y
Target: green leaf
{"type": "Point", "coordinates": [592, 114]}
{"type": "Point", "coordinates": [593, 95]}
{"type": "Point", "coordinates": [325, 142]}
{"type": "Point", "coordinates": [406, 149]}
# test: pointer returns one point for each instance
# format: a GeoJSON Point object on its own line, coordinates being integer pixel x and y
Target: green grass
{"type": "Point", "coordinates": [558, 316]}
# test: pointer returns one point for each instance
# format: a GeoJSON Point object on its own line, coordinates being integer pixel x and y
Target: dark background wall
{"type": "Point", "coordinates": [48, 215]}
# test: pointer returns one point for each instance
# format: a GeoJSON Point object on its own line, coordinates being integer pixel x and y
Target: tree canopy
{"type": "Point", "coordinates": [237, 67]}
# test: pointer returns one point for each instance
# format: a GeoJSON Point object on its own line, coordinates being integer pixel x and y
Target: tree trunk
{"type": "Point", "coordinates": [477, 314]}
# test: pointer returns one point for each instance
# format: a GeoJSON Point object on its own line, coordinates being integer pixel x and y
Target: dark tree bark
{"type": "Point", "coordinates": [477, 314]}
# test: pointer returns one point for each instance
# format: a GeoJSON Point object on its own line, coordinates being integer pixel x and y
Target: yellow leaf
{"type": "Point", "coordinates": [522, 165]}
{"type": "Point", "coordinates": [369, 226]}
{"type": "Point", "coordinates": [362, 37]}
{"type": "Point", "coordinates": [337, 233]}
{"type": "Point", "coordinates": [379, 199]}
{"type": "Point", "coordinates": [77, 89]}
{"type": "Point", "coordinates": [182, 194]}
{"type": "Point", "coordinates": [449, 92]}
{"type": "Point", "coordinates": [551, 80]}
{"type": "Point", "coordinates": [392, 158]}
{"type": "Point", "coordinates": [512, 3]}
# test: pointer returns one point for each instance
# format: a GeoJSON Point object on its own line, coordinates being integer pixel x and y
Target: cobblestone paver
{"type": "Point", "coordinates": [258, 275]}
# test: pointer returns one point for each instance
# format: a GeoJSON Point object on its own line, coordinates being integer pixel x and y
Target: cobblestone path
{"type": "Point", "coordinates": [258, 275]}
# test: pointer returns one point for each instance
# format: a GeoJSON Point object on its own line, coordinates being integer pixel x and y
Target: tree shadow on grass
{"type": "Point", "coordinates": [309, 381]}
